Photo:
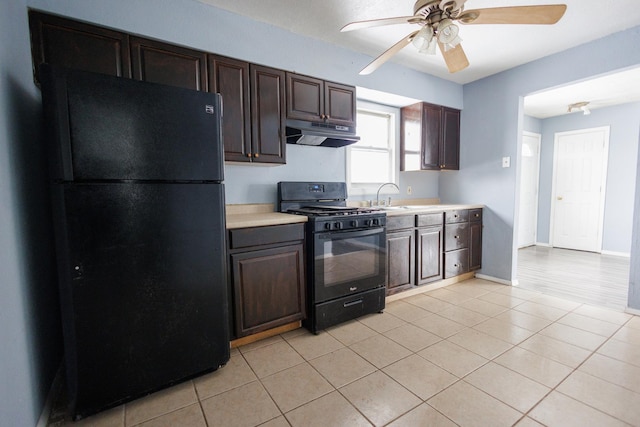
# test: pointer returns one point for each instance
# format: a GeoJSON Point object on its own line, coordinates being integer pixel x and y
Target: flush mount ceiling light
{"type": "Point", "coordinates": [582, 106]}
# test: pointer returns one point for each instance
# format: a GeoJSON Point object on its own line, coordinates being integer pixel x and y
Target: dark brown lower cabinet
{"type": "Point", "coordinates": [429, 266]}
{"type": "Point", "coordinates": [401, 261]}
{"type": "Point", "coordinates": [267, 277]}
{"type": "Point", "coordinates": [456, 262]}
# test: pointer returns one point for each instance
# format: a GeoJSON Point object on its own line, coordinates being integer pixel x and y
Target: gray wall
{"type": "Point", "coordinates": [634, 274]}
{"type": "Point", "coordinates": [532, 124]}
{"type": "Point", "coordinates": [624, 123]}
{"type": "Point", "coordinates": [30, 341]}
{"type": "Point", "coordinates": [492, 124]}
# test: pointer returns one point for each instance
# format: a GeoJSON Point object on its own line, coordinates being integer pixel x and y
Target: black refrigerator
{"type": "Point", "coordinates": [136, 173]}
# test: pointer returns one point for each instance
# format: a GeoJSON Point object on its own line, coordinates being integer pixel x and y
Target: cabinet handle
{"type": "Point", "coordinates": [349, 304]}
{"type": "Point", "coordinates": [322, 116]}
{"type": "Point", "coordinates": [456, 237]}
{"type": "Point", "coordinates": [249, 154]}
{"type": "Point", "coordinates": [456, 265]}
{"type": "Point", "coordinates": [327, 117]}
{"type": "Point", "coordinates": [256, 155]}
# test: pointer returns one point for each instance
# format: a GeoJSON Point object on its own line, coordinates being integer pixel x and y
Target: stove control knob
{"type": "Point", "coordinates": [367, 223]}
{"type": "Point", "coordinates": [375, 222]}
{"type": "Point", "coordinates": [354, 223]}
{"type": "Point", "coordinates": [327, 225]}
{"type": "Point", "coordinates": [339, 225]}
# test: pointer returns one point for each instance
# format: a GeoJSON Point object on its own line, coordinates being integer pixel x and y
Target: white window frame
{"type": "Point", "coordinates": [362, 189]}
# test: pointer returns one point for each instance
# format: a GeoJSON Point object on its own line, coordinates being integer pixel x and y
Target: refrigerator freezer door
{"type": "Point", "coordinates": [143, 287]}
{"type": "Point", "coordinates": [111, 128]}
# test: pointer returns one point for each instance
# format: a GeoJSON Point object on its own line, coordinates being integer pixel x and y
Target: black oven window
{"type": "Point", "coordinates": [351, 259]}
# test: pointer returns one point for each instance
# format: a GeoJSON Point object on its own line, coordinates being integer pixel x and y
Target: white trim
{"type": "Point", "coordinates": [633, 311]}
{"type": "Point", "coordinates": [497, 280]}
{"type": "Point", "coordinates": [546, 245]}
{"type": "Point", "coordinates": [614, 253]}
{"type": "Point", "coordinates": [538, 137]}
{"type": "Point", "coordinates": [603, 184]}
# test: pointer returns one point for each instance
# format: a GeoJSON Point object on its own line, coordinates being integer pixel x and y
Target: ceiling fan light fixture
{"type": "Point", "coordinates": [448, 32]}
{"type": "Point", "coordinates": [452, 44]}
{"type": "Point", "coordinates": [423, 41]}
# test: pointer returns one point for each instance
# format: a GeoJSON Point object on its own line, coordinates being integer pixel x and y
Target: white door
{"type": "Point", "coordinates": [579, 178]}
{"type": "Point", "coordinates": [529, 172]}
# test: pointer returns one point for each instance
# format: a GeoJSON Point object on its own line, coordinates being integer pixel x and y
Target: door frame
{"type": "Point", "coordinates": [538, 136]}
{"type": "Point", "coordinates": [603, 182]}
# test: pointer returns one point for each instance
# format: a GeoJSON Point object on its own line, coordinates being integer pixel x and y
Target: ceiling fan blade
{"type": "Point", "coordinates": [545, 14]}
{"type": "Point", "coordinates": [380, 22]}
{"type": "Point", "coordinates": [455, 58]}
{"type": "Point", "coordinates": [387, 54]}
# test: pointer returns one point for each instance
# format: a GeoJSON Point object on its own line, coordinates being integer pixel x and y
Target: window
{"type": "Point", "coordinates": [372, 161]}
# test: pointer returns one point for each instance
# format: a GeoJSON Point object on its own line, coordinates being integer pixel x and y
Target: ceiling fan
{"type": "Point", "coordinates": [436, 19]}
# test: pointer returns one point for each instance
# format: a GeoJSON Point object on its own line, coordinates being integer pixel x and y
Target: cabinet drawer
{"type": "Point", "coordinates": [430, 219]}
{"type": "Point", "coordinates": [256, 236]}
{"type": "Point", "coordinates": [342, 309]}
{"type": "Point", "coordinates": [453, 216]}
{"type": "Point", "coordinates": [456, 263]}
{"type": "Point", "coordinates": [400, 222]}
{"type": "Point", "coordinates": [475, 215]}
{"type": "Point", "coordinates": [456, 236]}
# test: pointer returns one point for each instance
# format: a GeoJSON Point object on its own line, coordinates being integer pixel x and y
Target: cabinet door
{"type": "Point", "coordinates": [340, 104]}
{"type": "Point", "coordinates": [429, 266]}
{"type": "Point", "coordinates": [475, 245]}
{"type": "Point", "coordinates": [230, 78]}
{"type": "Point", "coordinates": [450, 142]}
{"type": "Point", "coordinates": [267, 114]}
{"type": "Point", "coordinates": [72, 44]}
{"type": "Point", "coordinates": [159, 62]}
{"type": "Point", "coordinates": [400, 261]}
{"type": "Point", "coordinates": [431, 134]}
{"type": "Point", "coordinates": [456, 263]}
{"type": "Point", "coordinates": [305, 98]}
{"type": "Point", "coordinates": [269, 288]}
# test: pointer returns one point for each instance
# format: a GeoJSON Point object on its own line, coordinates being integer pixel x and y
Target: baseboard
{"type": "Point", "coordinates": [496, 280]}
{"type": "Point", "coordinates": [633, 311]}
{"type": "Point", "coordinates": [54, 391]}
{"type": "Point", "coordinates": [620, 254]}
{"type": "Point", "coordinates": [545, 245]}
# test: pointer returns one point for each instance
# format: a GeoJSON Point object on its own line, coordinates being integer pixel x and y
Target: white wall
{"type": "Point", "coordinates": [624, 122]}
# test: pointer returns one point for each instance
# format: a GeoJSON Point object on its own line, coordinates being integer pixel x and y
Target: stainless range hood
{"type": "Point", "coordinates": [320, 134]}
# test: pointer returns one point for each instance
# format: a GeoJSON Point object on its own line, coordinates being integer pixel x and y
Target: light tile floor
{"type": "Point", "coordinates": [472, 354]}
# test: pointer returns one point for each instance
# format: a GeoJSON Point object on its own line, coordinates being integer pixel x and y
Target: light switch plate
{"type": "Point", "coordinates": [506, 162]}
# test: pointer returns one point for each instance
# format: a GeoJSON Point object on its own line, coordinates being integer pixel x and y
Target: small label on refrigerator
{"type": "Point", "coordinates": [209, 109]}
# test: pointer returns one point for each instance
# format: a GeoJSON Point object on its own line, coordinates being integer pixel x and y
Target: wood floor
{"type": "Point", "coordinates": [585, 277]}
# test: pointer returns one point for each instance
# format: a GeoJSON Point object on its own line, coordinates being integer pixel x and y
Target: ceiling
{"type": "Point", "coordinates": [489, 48]}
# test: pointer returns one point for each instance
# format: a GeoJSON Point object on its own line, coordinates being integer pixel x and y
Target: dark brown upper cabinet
{"type": "Point", "coordinates": [430, 137]}
{"type": "Point", "coordinates": [230, 78]}
{"type": "Point", "coordinates": [312, 99]}
{"type": "Point", "coordinates": [268, 144]}
{"type": "Point", "coordinates": [77, 45]}
{"type": "Point", "coordinates": [159, 62]}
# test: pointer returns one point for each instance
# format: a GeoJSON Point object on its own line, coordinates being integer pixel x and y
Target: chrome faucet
{"type": "Point", "coordinates": [380, 188]}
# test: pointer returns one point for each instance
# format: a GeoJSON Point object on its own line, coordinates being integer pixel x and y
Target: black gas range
{"type": "Point", "coordinates": [346, 252]}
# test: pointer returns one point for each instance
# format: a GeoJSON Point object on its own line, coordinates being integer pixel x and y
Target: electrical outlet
{"type": "Point", "coordinates": [409, 190]}
{"type": "Point", "coordinates": [506, 162]}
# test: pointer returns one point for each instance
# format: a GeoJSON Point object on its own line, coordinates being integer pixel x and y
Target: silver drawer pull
{"type": "Point", "coordinates": [456, 265]}
{"type": "Point", "coordinates": [349, 304]}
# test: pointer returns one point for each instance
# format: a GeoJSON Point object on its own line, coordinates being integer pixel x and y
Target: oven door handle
{"type": "Point", "coordinates": [351, 234]}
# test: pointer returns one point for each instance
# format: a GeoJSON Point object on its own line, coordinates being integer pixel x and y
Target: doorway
{"type": "Point", "coordinates": [529, 178]}
{"type": "Point", "coordinates": [578, 189]}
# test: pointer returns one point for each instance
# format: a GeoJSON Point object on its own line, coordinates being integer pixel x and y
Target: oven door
{"type": "Point", "coordinates": [348, 262]}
